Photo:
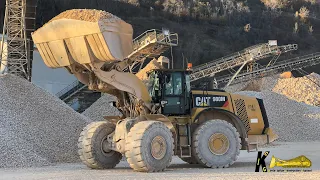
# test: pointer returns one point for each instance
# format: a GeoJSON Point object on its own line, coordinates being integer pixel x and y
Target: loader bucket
{"type": "Point", "coordinates": [85, 37]}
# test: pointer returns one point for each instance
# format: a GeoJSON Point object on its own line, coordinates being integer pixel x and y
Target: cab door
{"type": "Point", "coordinates": [174, 93]}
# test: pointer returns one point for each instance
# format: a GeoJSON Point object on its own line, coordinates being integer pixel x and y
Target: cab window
{"type": "Point", "coordinates": [174, 84]}
{"type": "Point", "coordinates": [188, 84]}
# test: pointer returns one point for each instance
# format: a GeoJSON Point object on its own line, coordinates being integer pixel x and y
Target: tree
{"type": "Point", "coordinates": [276, 4]}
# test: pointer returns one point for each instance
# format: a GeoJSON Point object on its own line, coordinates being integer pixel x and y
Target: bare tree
{"type": "Point", "coordinates": [304, 13]}
{"type": "Point", "coordinates": [310, 30]}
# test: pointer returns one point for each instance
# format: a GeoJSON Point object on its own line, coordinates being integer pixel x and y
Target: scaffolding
{"type": "Point", "coordinates": [150, 44]}
{"type": "Point", "coordinates": [19, 22]}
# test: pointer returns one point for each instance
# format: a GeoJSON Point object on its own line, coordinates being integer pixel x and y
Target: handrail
{"type": "Point", "coordinates": [155, 36]}
{"type": "Point", "coordinates": [138, 37]}
{"type": "Point", "coordinates": [65, 90]}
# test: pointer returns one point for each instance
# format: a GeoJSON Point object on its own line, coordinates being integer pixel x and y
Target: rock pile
{"type": "Point", "coordinates": [90, 15]}
{"type": "Point", "coordinates": [265, 83]}
{"type": "Point", "coordinates": [304, 89]}
{"type": "Point", "coordinates": [36, 128]}
{"type": "Point", "coordinates": [17, 152]}
{"type": "Point", "coordinates": [101, 108]}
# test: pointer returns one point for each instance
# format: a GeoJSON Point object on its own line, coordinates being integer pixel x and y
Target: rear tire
{"type": "Point", "coordinates": [216, 144]}
{"type": "Point", "coordinates": [90, 148]}
{"type": "Point", "coordinates": [149, 146]}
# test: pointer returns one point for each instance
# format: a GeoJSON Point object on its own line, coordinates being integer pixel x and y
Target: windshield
{"type": "Point", "coordinates": [174, 84]}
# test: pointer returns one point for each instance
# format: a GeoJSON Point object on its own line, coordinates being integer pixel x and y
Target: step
{"type": "Point", "coordinates": [253, 146]}
{"type": "Point", "coordinates": [181, 151]}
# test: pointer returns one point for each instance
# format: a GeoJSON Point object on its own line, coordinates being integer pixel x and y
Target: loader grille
{"type": "Point", "coordinates": [242, 113]}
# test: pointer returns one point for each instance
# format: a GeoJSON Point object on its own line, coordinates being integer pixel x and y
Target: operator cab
{"type": "Point", "coordinates": [171, 89]}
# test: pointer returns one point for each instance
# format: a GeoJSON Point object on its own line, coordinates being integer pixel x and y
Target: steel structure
{"type": "Point", "coordinates": [19, 22]}
{"type": "Point", "coordinates": [241, 58]}
{"type": "Point", "coordinates": [150, 44]}
{"type": "Point", "coordinates": [282, 66]}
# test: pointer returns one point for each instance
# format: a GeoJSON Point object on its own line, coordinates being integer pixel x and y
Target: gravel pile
{"type": "Point", "coordinates": [265, 83]}
{"type": "Point", "coordinates": [304, 89]}
{"type": "Point", "coordinates": [90, 15]}
{"type": "Point", "coordinates": [101, 108]}
{"type": "Point", "coordinates": [291, 120]}
{"type": "Point", "coordinates": [36, 127]}
{"type": "Point", "coordinates": [17, 152]}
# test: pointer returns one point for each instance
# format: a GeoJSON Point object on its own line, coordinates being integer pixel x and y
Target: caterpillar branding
{"type": "Point", "coordinates": [210, 101]}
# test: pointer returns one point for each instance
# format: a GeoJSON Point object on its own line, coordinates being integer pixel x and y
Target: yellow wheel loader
{"type": "Point", "coordinates": [161, 118]}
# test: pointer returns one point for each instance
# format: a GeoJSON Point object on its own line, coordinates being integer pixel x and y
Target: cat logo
{"type": "Point", "coordinates": [203, 101]}
{"type": "Point", "coordinates": [210, 101]}
{"type": "Point", "coordinates": [203, 104]}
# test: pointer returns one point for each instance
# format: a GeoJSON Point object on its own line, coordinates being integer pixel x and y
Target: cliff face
{"type": "Point", "coordinates": [209, 29]}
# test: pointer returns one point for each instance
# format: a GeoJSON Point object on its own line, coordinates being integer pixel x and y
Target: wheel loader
{"type": "Point", "coordinates": [161, 118]}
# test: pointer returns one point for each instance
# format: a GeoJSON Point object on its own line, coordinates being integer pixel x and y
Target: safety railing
{"type": "Point", "coordinates": [155, 36]}
{"type": "Point", "coordinates": [70, 89]}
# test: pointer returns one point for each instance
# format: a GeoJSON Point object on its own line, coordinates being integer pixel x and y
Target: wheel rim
{"type": "Point", "coordinates": [218, 144]}
{"type": "Point", "coordinates": [105, 148]}
{"type": "Point", "coordinates": [158, 147]}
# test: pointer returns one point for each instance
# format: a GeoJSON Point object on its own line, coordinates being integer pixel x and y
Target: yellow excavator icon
{"type": "Point", "coordinates": [298, 162]}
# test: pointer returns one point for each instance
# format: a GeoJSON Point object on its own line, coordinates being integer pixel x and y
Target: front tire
{"type": "Point", "coordinates": [216, 144]}
{"type": "Point", "coordinates": [149, 146]}
{"type": "Point", "coordinates": [92, 149]}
